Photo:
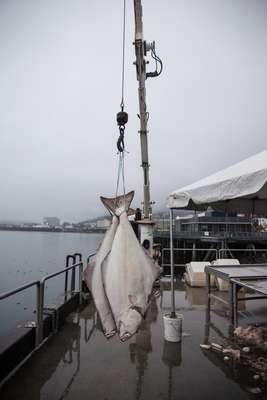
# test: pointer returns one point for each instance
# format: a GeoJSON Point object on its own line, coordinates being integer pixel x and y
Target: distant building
{"type": "Point", "coordinates": [162, 224]}
{"type": "Point", "coordinates": [103, 223]}
{"type": "Point", "coordinates": [261, 224]}
{"type": "Point", "coordinates": [213, 223]}
{"type": "Point", "coordinates": [52, 222]}
{"type": "Point", "coordinates": [89, 225]}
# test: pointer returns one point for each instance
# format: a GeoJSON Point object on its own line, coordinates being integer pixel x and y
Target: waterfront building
{"type": "Point", "coordinates": [214, 223]}
{"type": "Point", "coordinates": [52, 222]}
{"type": "Point", "coordinates": [103, 223]}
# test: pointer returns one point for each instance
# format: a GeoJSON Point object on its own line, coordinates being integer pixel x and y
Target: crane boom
{"type": "Point", "coordinates": [141, 50]}
{"type": "Point", "coordinates": [141, 77]}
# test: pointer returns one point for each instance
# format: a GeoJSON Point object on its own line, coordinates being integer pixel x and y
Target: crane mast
{"type": "Point", "coordinates": [141, 77]}
{"type": "Point", "coordinates": [142, 48]}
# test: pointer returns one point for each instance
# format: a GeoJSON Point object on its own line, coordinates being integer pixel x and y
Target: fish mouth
{"type": "Point", "coordinates": [125, 336]}
{"type": "Point", "coordinates": [109, 335]}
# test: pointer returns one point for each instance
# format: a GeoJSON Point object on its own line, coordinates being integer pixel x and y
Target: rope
{"type": "Point", "coordinates": [123, 175]}
{"type": "Point", "coordinates": [118, 178]}
{"type": "Point", "coordinates": [120, 175]}
{"type": "Point", "coordinates": [123, 56]}
{"type": "Point", "coordinates": [120, 142]}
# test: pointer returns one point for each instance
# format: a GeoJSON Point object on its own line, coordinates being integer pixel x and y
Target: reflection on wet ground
{"type": "Point", "coordinates": [79, 363]}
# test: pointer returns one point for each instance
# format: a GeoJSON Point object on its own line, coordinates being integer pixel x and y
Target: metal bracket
{"type": "Point", "coordinates": [54, 314]}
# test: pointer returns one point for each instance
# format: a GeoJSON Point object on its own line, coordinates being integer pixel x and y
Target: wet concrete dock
{"type": "Point", "coordinates": [79, 363]}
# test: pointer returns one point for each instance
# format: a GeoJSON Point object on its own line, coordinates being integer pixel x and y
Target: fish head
{"type": "Point", "coordinates": [129, 323]}
{"type": "Point", "coordinates": [117, 205]}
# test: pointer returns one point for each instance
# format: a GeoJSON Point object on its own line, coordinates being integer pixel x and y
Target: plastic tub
{"type": "Point", "coordinates": [173, 327]}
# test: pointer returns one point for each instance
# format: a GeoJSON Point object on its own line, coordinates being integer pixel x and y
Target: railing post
{"type": "Point", "coordinates": [162, 260]}
{"type": "Point", "coordinates": [66, 275]}
{"type": "Point", "coordinates": [73, 271]}
{"type": "Point", "coordinates": [38, 317]}
{"type": "Point", "coordinates": [73, 277]}
{"type": "Point", "coordinates": [68, 258]}
{"type": "Point", "coordinates": [41, 311]}
{"type": "Point", "coordinates": [173, 315]}
{"type": "Point", "coordinates": [80, 281]}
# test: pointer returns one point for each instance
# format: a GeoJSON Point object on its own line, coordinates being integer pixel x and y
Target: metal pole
{"type": "Point", "coordinates": [73, 279]}
{"type": "Point", "coordinates": [66, 276]}
{"type": "Point", "coordinates": [207, 321]}
{"type": "Point", "coordinates": [80, 281]}
{"type": "Point", "coordinates": [208, 284]}
{"type": "Point", "coordinates": [38, 315]}
{"type": "Point", "coordinates": [173, 315]}
{"type": "Point", "coordinates": [231, 302]}
{"type": "Point", "coordinates": [40, 311]}
{"type": "Point", "coordinates": [141, 77]}
{"type": "Point", "coordinates": [235, 305]}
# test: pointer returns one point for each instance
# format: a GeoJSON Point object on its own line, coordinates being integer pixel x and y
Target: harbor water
{"type": "Point", "coordinates": [26, 256]}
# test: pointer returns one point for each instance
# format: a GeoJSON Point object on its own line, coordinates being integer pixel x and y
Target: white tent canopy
{"type": "Point", "coordinates": [239, 188]}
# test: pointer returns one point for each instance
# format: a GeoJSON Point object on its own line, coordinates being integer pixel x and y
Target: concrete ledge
{"type": "Point", "coordinates": [14, 348]}
{"type": "Point", "coordinates": [20, 341]}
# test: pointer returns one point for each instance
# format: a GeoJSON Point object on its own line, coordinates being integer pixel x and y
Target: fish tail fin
{"type": "Point", "coordinates": [117, 205]}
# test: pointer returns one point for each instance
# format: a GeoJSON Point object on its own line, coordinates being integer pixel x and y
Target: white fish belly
{"type": "Point", "coordinates": [129, 274]}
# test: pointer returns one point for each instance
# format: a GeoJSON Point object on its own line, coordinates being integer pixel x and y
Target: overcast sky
{"type": "Point", "coordinates": [60, 71]}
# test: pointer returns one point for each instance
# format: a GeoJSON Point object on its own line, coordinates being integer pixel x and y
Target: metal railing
{"type": "Point", "coordinates": [40, 291]}
{"type": "Point", "coordinates": [184, 249]}
{"type": "Point", "coordinates": [218, 253]}
{"type": "Point", "coordinates": [210, 235]}
{"type": "Point", "coordinates": [19, 289]}
{"type": "Point", "coordinates": [89, 257]}
{"type": "Point", "coordinates": [229, 250]}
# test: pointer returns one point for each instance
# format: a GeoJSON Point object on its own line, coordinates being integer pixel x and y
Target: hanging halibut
{"type": "Point", "coordinates": [128, 275]}
{"type": "Point", "coordinates": [93, 272]}
{"type": "Point", "coordinates": [93, 278]}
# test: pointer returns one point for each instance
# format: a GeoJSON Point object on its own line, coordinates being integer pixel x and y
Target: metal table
{"type": "Point", "coordinates": [256, 285]}
{"type": "Point", "coordinates": [238, 276]}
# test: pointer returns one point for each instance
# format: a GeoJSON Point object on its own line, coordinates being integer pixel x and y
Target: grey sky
{"type": "Point", "coordinates": [60, 69]}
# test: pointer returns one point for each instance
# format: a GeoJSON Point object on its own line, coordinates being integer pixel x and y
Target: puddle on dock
{"type": "Point", "coordinates": [79, 363]}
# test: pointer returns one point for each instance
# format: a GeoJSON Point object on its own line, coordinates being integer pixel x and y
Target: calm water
{"type": "Point", "coordinates": [79, 363]}
{"type": "Point", "coordinates": [26, 256]}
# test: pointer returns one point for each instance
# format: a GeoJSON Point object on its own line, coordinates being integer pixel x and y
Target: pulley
{"type": "Point", "coordinates": [122, 118]}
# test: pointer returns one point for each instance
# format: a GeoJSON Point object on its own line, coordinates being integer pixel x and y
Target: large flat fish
{"type": "Point", "coordinates": [93, 278]}
{"type": "Point", "coordinates": [93, 272]}
{"type": "Point", "coordinates": [128, 274]}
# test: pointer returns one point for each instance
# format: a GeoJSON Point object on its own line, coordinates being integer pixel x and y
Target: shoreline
{"type": "Point", "coordinates": [53, 230]}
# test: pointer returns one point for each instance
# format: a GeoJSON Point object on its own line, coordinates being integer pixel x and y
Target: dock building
{"type": "Point", "coordinates": [51, 221]}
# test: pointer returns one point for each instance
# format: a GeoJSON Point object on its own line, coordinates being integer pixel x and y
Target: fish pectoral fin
{"type": "Point", "coordinates": [134, 304]}
{"type": "Point", "coordinates": [138, 309]}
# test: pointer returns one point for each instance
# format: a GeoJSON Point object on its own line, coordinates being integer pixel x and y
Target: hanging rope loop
{"type": "Point", "coordinates": [120, 141]}
{"type": "Point", "coordinates": [120, 175]}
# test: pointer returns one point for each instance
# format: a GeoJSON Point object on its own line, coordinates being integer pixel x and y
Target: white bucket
{"type": "Point", "coordinates": [173, 327]}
